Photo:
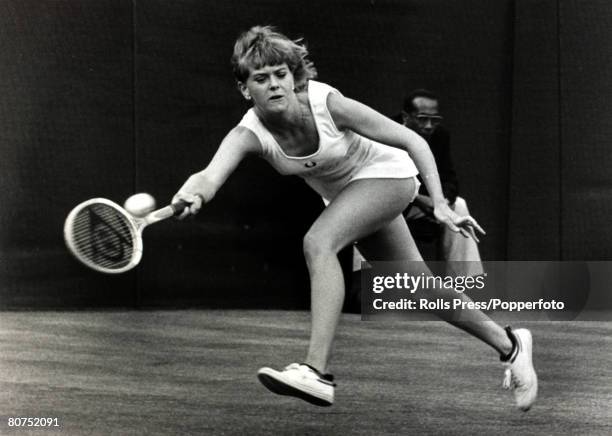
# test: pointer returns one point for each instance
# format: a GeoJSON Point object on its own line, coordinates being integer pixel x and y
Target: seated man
{"type": "Point", "coordinates": [421, 114]}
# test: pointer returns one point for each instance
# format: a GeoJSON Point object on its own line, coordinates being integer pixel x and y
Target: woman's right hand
{"type": "Point", "coordinates": [191, 192]}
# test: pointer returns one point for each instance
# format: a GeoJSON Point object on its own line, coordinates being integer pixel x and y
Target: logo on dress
{"type": "Point", "coordinates": [310, 164]}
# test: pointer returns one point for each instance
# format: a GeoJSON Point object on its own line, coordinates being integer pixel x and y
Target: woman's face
{"type": "Point", "coordinates": [270, 87]}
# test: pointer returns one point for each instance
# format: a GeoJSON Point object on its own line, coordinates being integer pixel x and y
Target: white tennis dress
{"type": "Point", "coordinates": [342, 156]}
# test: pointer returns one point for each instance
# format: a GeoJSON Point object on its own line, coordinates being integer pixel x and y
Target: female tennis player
{"type": "Point", "coordinates": [364, 166]}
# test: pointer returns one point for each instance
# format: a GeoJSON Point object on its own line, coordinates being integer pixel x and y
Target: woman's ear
{"type": "Point", "coordinates": [244, 90]}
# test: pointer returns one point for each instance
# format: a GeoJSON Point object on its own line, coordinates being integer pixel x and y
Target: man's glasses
{"type": "Point", "coordinates": [433, 119]}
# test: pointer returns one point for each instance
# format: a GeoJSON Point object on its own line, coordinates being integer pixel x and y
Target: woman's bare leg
{"type": "Point", "coordinates": [395, 243]}
{"type": "Point", "coordinates": [362, 208]}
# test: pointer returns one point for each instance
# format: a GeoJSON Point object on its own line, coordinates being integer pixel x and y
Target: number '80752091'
{"type": "Point", "coordinates": [32, 422]}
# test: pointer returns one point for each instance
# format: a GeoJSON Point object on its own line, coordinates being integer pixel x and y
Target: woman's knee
{"type": "Point", "coordinates": [316, 245]}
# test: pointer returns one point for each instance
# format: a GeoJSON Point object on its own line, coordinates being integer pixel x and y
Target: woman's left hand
{"type": "Point", "coordinates": [466, 225]}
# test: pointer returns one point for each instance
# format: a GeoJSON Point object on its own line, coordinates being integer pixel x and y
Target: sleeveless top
{"type": "Point", "coordinates": [342, 156]}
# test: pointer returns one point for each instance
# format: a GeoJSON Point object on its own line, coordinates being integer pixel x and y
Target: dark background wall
{"type": "Point", "coordinates": [67, 133]}
{"type": "Point", "coordinates": [113, 97]}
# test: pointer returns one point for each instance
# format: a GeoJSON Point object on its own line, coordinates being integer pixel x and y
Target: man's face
{"type": "Point", "coordinates": [425, 119]}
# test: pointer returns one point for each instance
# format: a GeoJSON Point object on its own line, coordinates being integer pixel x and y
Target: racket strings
{"type": "Point", "coordinates": [103, 236]}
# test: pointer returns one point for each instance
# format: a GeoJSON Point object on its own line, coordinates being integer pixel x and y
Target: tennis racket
{"type": "Point", "coordinates": [106, 237]}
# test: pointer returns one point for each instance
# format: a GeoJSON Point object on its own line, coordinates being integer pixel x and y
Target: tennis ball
{"type": "Point", "coordinates": [140, 204]}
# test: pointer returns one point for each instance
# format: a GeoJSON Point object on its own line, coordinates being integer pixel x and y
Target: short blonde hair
{"type": "Point", "coordinates": [264, 45]}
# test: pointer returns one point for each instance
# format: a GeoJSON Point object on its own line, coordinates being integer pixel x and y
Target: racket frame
{"type": "Point", "coordinates": [135, 224]}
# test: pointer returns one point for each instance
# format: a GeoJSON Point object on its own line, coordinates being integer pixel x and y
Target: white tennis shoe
{"type": "Point", "coordinates": [301, 381]}
{"type": "Point", "coordinates": [520, 375]}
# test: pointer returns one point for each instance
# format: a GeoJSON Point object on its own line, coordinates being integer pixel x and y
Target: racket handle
{"type": "Point", "coordinates": [179, 207]}
{"type": "Point", "coordinates": [173, 209]}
